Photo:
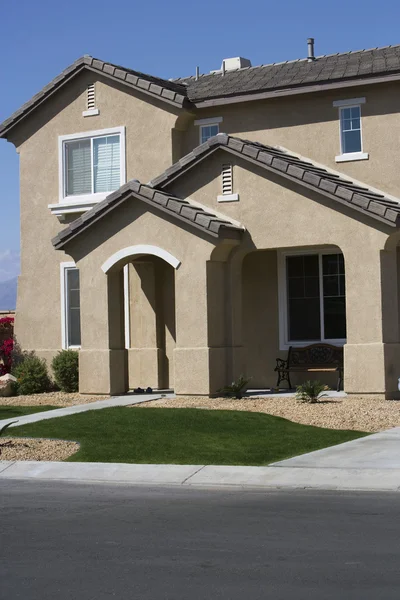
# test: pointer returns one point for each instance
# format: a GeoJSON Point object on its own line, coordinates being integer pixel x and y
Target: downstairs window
{"type": "Point", "coordinates": [315, 298]}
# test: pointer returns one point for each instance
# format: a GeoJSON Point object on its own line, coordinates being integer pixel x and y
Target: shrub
{"type": "Point", "coordinates": [32, 376]}
{"type": "Point", "coordinates": [66, 370]}
{"type": "Point", "coordinates": [235, 389]}
{"type": "Point", "coordinates": [311, 391]}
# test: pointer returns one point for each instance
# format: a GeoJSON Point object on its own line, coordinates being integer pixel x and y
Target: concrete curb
{"type": "Point", "coordinates": [207, 476]}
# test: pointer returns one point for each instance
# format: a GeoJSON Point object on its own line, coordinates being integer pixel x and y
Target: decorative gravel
{"type": "Point", "coordinates": [58, 399]}
{"type": "Point", "coordinates": [36, 449]}
{"type": "Point", "coordinates": [362, 413]}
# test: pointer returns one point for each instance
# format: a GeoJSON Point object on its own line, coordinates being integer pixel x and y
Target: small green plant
{"type": "Point", "coordinates": [66, 370]}
{"type": "Point", "coordinates": [236, 389]}
{"type": "Point", "coordinates": [2, 430]}
{"type": "Point", "coordinates": [311, 391]}
{"type": "Point", "coordinates": [32, 376]}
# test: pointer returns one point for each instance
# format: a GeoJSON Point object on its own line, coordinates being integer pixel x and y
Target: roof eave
{"type": "Point", "coordinates": [222, 141]}
{"type": "Point", "coordinates": [225, 230]}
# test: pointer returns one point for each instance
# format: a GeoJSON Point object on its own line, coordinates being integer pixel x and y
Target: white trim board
{"type": "Point", "coordinates": [140, 250]}
{"type": "Point", "coordinates": [127, 320]}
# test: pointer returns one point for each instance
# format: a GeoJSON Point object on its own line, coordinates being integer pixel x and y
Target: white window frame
{"type": "Point", "coordinates": [64, 266]}
{"type": "Point", "coordinates": [284, 342]}
{"type": "Point", "coordinates": [350, 156]}
{"type": "Point", "coordinates": [83, 199]}
{"type": "Point", "coordinates": [207, 123]}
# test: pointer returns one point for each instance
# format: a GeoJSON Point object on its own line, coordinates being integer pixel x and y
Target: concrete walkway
{"type": "Point", "coordinates": [126, 400]}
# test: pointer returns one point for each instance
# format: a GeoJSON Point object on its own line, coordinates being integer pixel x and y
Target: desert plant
{"type": "Point", "coordinates": [66, 370]}
{"type": "Point", "coordinates": [2, 430]}
{"type": "Point", "coordinates": [236, 389]}
{"type": "Point", "coordinates": [32, 376]}
{"type": "Point", "coordinates": [311, 391]}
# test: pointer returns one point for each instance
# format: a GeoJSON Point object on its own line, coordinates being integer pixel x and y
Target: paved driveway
{"type": "Point", "coordinates": [377, 451]}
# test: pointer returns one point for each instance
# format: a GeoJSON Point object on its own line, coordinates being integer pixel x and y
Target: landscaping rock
{"type": "Point", "coordinates": [362, 413]}
{"type": "Point", "coordinates": [7, 385]}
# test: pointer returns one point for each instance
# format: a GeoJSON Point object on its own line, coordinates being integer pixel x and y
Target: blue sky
{"type": "Point", "coordinates": [167, 38]}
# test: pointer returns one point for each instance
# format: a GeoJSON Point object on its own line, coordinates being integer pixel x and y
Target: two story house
{"type": "Point", "coordinates": [183, 232]}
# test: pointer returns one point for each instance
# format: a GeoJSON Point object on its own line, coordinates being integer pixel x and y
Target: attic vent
{"type": "Point", "coordinates": [91, 99]}
{"type": "Point", "coordinates": [227, 185]}
{"type": "Point", "coordinates": [227, 179]}
{"type": "Point", "coordinates": [91, 102]}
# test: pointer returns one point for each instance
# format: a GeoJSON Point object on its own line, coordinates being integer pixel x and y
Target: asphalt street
{"type": "Point", "coordinates": [93, 542]}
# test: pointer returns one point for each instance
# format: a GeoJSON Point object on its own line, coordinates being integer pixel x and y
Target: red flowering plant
{"type": "Point", "coordinates": [6, 345]}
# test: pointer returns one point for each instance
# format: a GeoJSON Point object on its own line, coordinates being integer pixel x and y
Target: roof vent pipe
{"type": "Point", "coordinates": [223, 67]}
{"type": "Point", "coordinates": [310, 45]}
{"type": "Point", "coordinates": [197, 73]}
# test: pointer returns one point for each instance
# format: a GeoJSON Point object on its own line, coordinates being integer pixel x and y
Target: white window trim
{"type": "Point", "coordinates": [211, 121]}
{"type": "Point", "coordinates": [284, 342]}
{"type": "Point", "coordinates": [349, 102]}
{"type": "Point", "coordinates": [64, 266]}
{"type": "Point", "coordinates": [85, 198]}
{"type": "Point", "coordinates": [350, 156]}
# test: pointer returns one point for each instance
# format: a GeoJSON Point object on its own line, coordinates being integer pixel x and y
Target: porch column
{"type": "Point", "coordinates": [144, 355]}
{"type": "Point", "coordinates": [102, 358]}
{"type": "Point", "coordinates": [372, 352]}
{"type": "Point", "coordinates": [200, 355]}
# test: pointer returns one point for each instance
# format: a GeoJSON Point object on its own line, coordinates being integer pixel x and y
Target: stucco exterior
{"type": "Point", "coordinates": [218, 314]}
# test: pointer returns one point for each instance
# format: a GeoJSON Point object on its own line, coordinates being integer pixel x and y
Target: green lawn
{"type": "Point", "coordinates": [184, 436]}
{"type": "Point", "coordinates": [8, 412]}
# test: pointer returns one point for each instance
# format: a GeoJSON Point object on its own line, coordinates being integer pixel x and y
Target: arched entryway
{"type": "Point", "coordinates": [141, 291]}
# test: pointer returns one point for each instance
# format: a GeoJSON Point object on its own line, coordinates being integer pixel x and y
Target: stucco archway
{"type": "Point", "coordinates": [132, 252]}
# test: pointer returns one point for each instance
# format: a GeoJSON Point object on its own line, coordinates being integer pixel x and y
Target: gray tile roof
{"type": "Point", "coordinates": [182, 210]}
{"type": "Point", "coordinates": [298, 73]}
{"type": "Point", "coordinates": [169, 91]}
{"type": "Point", "coordinates": [291, 75]}
{"type": "Point", "coordinates": [302, 172]}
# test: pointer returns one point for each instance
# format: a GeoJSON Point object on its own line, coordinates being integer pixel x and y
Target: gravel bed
{"type": "Point", "coordinates": [362, 413]}
{"type": "Point", "coordinates": [36, 449]}
{"type": "Point", "coordinates": [58, 399]}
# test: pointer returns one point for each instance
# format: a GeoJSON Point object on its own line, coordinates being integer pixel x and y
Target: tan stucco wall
{"type": "Point", "coordinates": [276, 214]}
{"type": "Point", "coordinates": [308, 124]}
{"type": "Point", "coordinates": [279, 215]}
{"type": "Point", "coordinates": [148, 151]}
{"type": "Point", "coordinates": [134, 222]}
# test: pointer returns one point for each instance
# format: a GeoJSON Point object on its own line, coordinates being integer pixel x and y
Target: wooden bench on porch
{"type": "Point", "coordinates": [315, 358]}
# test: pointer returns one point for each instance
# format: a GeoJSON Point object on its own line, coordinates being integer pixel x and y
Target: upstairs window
{"type": "Point", "coordinates": [92, 164]}
{"type": "Point", "coordinates": [208, 131]}
{"type": "Point", "coordinates": [208, 128]}
{"type": "Point", "coordinates": [351, 145]}
{"type": "Point", "coordinates": [350, 129]}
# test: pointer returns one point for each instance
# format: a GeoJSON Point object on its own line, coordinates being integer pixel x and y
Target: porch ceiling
{"type": "Point", "coordinates": [182, 210]}
{"type": "Point", "coordinates": [304, 173]}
